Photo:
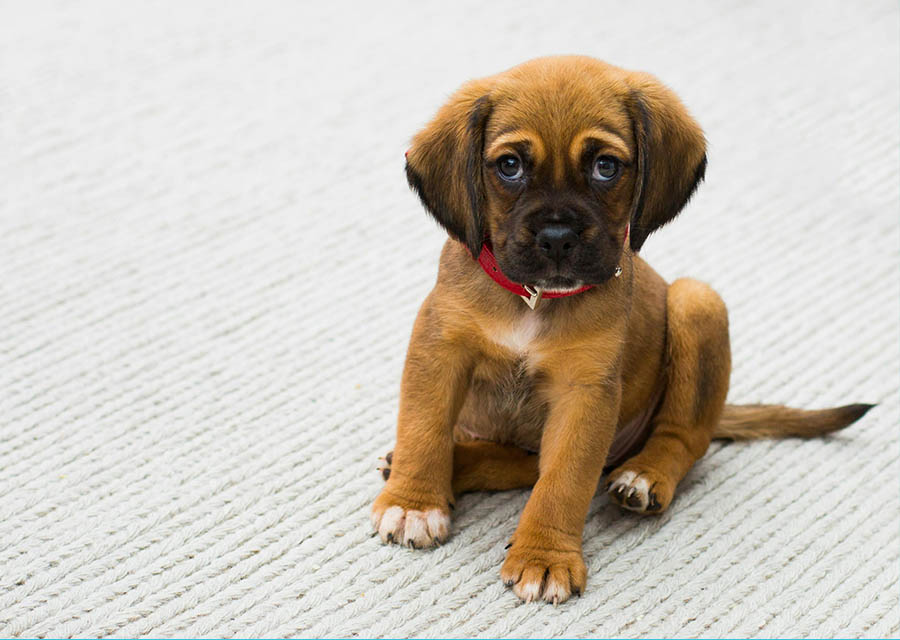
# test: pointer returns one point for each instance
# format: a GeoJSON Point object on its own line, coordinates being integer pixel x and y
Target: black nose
{"type": "Point", "coordinates": [556, 241]}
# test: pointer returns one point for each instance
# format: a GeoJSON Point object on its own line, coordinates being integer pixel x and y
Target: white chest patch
{"type": "Point", "coordinates": [520, 336]}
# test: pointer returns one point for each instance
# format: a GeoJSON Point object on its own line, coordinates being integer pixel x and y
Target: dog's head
{"type": "Point", "coordinates": [551, 160]}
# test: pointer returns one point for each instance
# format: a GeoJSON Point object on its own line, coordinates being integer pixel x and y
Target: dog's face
{"type": "Point", "coordinates": [559, 172]}
{"type": "Point", "coordinates": [551, 160]}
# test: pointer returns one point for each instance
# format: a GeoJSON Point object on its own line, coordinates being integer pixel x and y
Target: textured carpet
{"type": "Point", "coordinates": [209, 267]}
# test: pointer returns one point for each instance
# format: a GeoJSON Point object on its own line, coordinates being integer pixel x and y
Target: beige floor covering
{"type": "Point", "coordinates": [209, 267]}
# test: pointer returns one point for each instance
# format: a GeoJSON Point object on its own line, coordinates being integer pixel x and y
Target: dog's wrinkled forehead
{"type": "Point", "coordinates": [554, 115]}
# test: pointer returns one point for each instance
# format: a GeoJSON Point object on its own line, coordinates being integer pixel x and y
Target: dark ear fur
{"type": "Point", "coordinates": [444, 165]}
{"type": "Point", "coordinates": [671, 156]}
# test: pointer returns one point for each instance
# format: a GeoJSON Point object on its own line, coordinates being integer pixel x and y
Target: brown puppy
{"type": "Point", "coordinates": [563, 166]}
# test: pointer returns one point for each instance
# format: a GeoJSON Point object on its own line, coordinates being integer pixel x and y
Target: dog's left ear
{"type": "Point", "coordinates": [444, 164]}
{"type": "Point", "coordinates": [671, 156]}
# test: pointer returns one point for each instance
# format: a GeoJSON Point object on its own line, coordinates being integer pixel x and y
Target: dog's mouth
{"type": "Point", "coordinates": [552, 277]}
{"type": "Point", "coordinates": [524, 263]}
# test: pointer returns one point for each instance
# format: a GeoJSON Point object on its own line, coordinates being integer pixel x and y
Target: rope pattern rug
{"type": "Point", "coordinates": [209, 267]}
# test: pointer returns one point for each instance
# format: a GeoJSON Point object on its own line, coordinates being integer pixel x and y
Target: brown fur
{"type": "Point", "coordinates": [487, 378]}
{"type": "Point", "coordinates": [754, 421]}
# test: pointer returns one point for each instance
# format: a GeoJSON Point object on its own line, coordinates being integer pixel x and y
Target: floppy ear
{"type": "Point", "coordinates": [671, 156]}
{"type": "Point", "coordinates": [444, 165]}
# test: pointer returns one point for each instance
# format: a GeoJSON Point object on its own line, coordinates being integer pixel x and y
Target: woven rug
{"type": "Point", "coordinates": [209, 267]}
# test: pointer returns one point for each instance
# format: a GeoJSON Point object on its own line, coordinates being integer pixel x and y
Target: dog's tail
{"type": "Point", "coordinates": [754, 421]}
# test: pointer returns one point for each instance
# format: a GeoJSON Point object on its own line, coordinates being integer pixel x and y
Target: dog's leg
{"type": "Point", "coordinates": [697, 382]}
{"type": "Point", "coordinates": [481, 465]}
{"type": "Point", "coordinates": [489, 466]}
{"type": "Point", "coordinates": [413, 508]}
{"type": "Point", "coordinates": [545, 560]}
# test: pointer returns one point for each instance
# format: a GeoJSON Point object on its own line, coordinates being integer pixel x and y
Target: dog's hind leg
{"type": "Point", "coordinates": [488, 466]}
{"type": "Point", "coordinates": [697, 375]}
{"type": "Point", "coordinates": [480, 465]}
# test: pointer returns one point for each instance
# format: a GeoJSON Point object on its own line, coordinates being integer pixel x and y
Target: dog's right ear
{"type": "Point", "coordinates": [444, 164]}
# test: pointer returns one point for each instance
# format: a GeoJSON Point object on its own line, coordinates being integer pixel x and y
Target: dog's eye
{"type": "Point", "coordinates": [510, 167]}
{"type": "Point", "coordinates": [605, 168]}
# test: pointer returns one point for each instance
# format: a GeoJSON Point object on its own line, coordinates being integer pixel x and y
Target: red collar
{"type": "Point", "coordinates": [531, 295]}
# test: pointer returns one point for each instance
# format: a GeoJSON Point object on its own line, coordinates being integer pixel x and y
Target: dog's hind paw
{"type": "Point", "coordinates": [639, 490]}
{"type": "Point", "coordinates": [385, 467]}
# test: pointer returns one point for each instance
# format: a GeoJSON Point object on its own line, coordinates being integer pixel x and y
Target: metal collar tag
{"type": "Point", "coordinates": [533, 297]}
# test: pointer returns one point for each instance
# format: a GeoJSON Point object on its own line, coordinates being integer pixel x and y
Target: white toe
{"type": "Point", "coordinates": [555, 591]}
{"type": "Point", "coordinates": [438, 524]}
{"type": "Point", "coordinates": [391, 524]}
{"type": "Point", "coordinates": [415, 533]}
{"type": "Point", "coordinates": [528, 591]}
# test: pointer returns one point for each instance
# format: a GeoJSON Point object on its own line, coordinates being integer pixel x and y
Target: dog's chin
{"type": "Point", "coordinates": [556, 281]}
{"type": "Point", "coordinates": [561, 284]}
{"type": "Point", "coordinates": [536, 272]}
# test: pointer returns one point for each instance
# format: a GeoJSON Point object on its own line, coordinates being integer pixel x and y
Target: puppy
{"type": "Point", "coordinates": [546, 333]}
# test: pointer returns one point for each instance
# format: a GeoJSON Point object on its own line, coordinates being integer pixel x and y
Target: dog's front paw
{"type": "Point", "coordinates": [408, 523]}
{"type": "Point", "coordinates": [640, 489]}
{"type": "Point", "coordinates": [536, 572]}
